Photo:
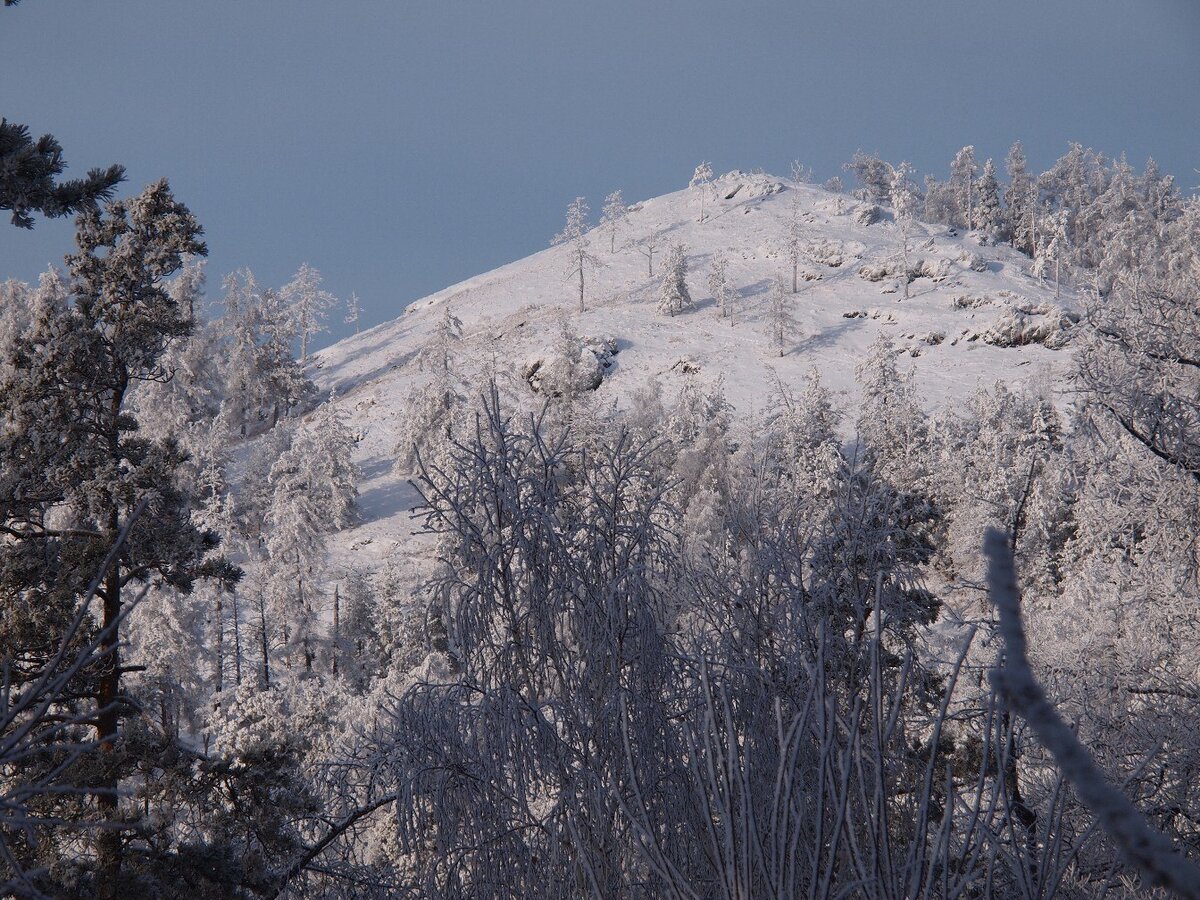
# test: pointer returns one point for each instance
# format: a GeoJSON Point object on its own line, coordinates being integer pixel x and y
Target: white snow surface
{"type": "Point", "coordinates": [516, 311]}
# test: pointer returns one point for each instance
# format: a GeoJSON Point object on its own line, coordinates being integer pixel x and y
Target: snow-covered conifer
{"type": "Point", "coordinates": [431, 410]}
{"type": "Point", "coordinates": [701, 184]}
{"type": "Point", "coordinates": [1020, 200]}
{"type": "Point", "coordinates": [673, 296]}
{"type": "Point", "coordinates": [782, 325]}
{"type": "Point", "coordinates": [874, 174]}
{"type": "Point", "coordinates": [262, 378]}
{"type": "Point", "coordinates": [723, 292]}
{"type": "Point", "coordinates": [307, 305]}
{"type": "Point", "coordinates": [962, 182]}
{"type": "Point", "coordinates": [793, 241]}
{"type": "Point", "coordinates": [314, 486]}
{"type": "Point", "coordinates": [988, 214]}
{"type": "Point", "coordinates": [353, 310]}
{"type": "Point", "coordinates": [904, 203]}
{"type": "Point", "coordinates": [575, 237]}
{"type": "Point", "coordinates": [613, 217]}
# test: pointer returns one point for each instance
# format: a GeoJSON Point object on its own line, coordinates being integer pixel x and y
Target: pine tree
{"type": "Point", "coordinates": [28, 170]}
{"type": "Point", "coordinates": [575, 237]}
{"type": "Point", "coordinates": [613, 217]}
{"type": "Point", "coordinates": [307, 305]}
{"type": "Point", "coordinates": [782, 325]}
{"type": "Point", "coordinates": [988, 214]}
{"type": "Point", "coordinates": [262, 378]}
{"type": "Point", "coordinates": [793, 246]}
{"type": "Point", "coordinates": [722, 292]}
{"type": "Point", "coordinates": [904, 204]}
{"type": "Point", "coordinates": [962, 182]}
{"type": "Point", "coordinates": [314, 486]}
{"type": "Point", "coordinates": [701, 184]}
{"type": "Point", "coordinates": [873, 173]}
{"type": "Point", "coordinates": [77, 472]}
{"type": "Point", "coordinates": [1020, 200]}
{"type": "Point", "coordinates": [673, 296]}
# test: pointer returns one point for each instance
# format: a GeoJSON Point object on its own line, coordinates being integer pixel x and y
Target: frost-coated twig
{"type": "Point", "coordinates": [1153, 855]}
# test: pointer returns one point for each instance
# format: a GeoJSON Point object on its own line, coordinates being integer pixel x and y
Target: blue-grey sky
{"type": "Point", "coordinates": [401, 145]}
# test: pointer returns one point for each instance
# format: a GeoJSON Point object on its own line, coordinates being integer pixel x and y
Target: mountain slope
{"type": "Point", "coordinates": [513, 314]}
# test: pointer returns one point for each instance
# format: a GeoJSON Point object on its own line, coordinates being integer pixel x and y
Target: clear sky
{"type": "Point", "coordinates": [402, 145]}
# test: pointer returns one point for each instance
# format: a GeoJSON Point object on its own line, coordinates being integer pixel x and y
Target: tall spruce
{"type": "Point", "coordinates": [75, 469]}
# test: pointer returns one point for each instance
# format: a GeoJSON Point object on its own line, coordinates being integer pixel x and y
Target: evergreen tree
{"type": "Point", "coordinates": [77, 471]}
{"type": "Point", "coordinates": [28, 170]}
{"type": "Point", "coordinates": [430, 412]}
{"type": "Point", "coordinates": [904, 204]}
{"type": "Point", "coordinates": [262, 378]}
{"type": "Point", "coordinates": [673, 296]}
{"type": "Point", "coordinates": [793, 245]}
{"type": "Point", "coordinates": [988, 214]}
{"type": "Point", "coordinates": [722, 291]}
{"type": "Point", "coordinates": [574, 236]}
{"type": "Point", "coordinates": [874, 174]}
{"type": "Point", "coordinates": [701, 184]}
{"type": "Point", "coordinates": [612, 217]}
{"type": "Point", "coordinates": [314, 486]}
{"type": "Point", "coordinates": [307, 305]}
{"type": "Point", "coordinates": [1020, 200]}
{"type": "Point", "coordinates": [962, 183]}
{"type": "Point", "coordinates": [782, 325]}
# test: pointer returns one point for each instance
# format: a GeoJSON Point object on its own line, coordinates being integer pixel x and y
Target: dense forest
{"type": "Point", "coordinates": [675, 650]}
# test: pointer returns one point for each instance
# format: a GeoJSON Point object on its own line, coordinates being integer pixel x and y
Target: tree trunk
{"type": "Point", "coordinates": [219, 636]}
{"type": "Point", "coordinates": [237, 643]}
{"type": "Point", "coordinates": [262, 633]}
{"type": "Point", "coordinates": [337, 627]}
{"type": "Point", "coordinates": [108, 720]}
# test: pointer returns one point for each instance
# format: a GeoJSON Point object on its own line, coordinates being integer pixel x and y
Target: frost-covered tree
{"type": "Point", "coordinates": [962, 182]}
{"type": "Point", "coordinates": [432, 409]}
{"type": "Point", "coordinates": [575, 237]}
{"type": "Point", "coordinates": [673, 296]}
{"type": "Point", "coordinates": [1020, 200]}
{"type": "Point", "coordinates": [793, 241]}
{"type": "Point", "coordinates": [722, 291]}
{"type": "Point", "coordinates": [28, 178]}
{"type": "Point", "coordinates": [1052, 248]}
{"type": "Point", "coordinates": [648, 246]}
{"type": "Point", "coordinates": [262, 378]}
{"type": "Point", "coordinates": [613, 217]}
{"type": "Point", "coordinates": [874, 174]}
{"type": "Point", "coordinates": [780, 321]}
{"type": "Point", "coordinates": [904, 199]}
{"type": "Point", "coordinates": [314, 486]}
{"type": "Point", "coordinates": [69, 491]}
{"type": "Point", "coordinates": [988, 214]}
{"type": "Point", "coordinates": [353, 311]}
{"type": "Point", "coordinates": [307, 305]}
{"type": "Point", "coordinates": [802, 449]}
{"type": "Point", "coordinates": [701, 185]}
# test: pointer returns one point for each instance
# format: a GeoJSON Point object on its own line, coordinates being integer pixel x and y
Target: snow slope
{"type": "Point", "coordinates": [515, 312]}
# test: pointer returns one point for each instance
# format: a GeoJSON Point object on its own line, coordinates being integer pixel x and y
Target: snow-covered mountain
{"type": "Point", "coordinates": [976, 314]}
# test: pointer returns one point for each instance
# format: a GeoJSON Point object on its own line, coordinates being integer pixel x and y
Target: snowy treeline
{"type": "Point", "coordinates": [665, 648]}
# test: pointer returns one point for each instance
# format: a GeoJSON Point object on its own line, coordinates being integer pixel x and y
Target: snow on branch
{"type": "Point", "coordinates": [1152, 853]}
